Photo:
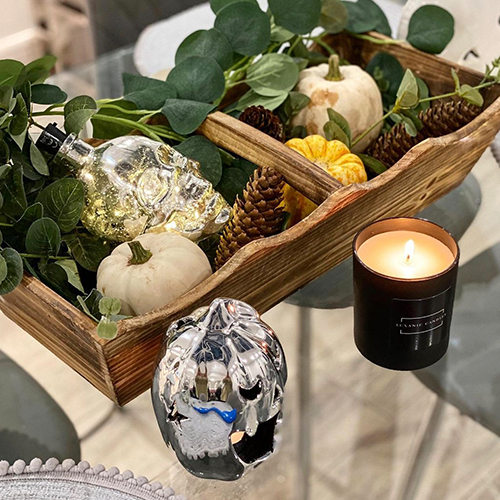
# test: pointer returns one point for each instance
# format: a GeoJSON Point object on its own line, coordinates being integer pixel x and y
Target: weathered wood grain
{"type": "Point", "coordinates": [264, 151]}
{"type": "Point", "coordinates": [266, 271]}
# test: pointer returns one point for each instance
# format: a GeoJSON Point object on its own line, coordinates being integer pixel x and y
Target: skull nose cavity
{"type": "Point", "coordinates": [252, 393]}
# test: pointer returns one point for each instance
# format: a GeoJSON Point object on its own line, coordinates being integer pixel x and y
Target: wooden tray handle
{"type": "Point", "coordinates": [244, 140]}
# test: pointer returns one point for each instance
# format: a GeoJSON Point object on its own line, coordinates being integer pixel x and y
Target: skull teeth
{"type": "Point", "coordinates": [203, 454]}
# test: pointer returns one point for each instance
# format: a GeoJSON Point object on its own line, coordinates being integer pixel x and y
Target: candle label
{"type": "Point", "coordinates": [420, 323]}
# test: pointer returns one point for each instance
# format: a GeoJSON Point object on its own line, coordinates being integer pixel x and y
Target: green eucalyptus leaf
{"type": "Point", "coordinates": [186, 116]}
{"type": "Point", "coordinates": [21, 159]}
{"type": "Point", "coordinates": [4, 152]}
{"type": "Point", "coordinates": [63, 202]}
{"type": "Point", "coordinates": [218, 5]}
{"type": "Point", "coordinates": [373, 165]}
{"type": "Point", "coordinates": [13, 192]}
{"type": "Point", "coordinates": [294, 103]}
{"type": "Point", "coordinates": [423, 93]}
{"type": "Point", "coordinates": [56, 277]}
{"type": "Point", "coordinates": [471, 95]}
{"type": "Point", "coordinates": [333, 132]}
{"type": "Point", "coordinates": [14, 271]}
{"type": "Point", "coordinates": [4, 171]}
{"type": "Point", "coordinates": [86, 249]}
{"type": "Point", "coordinates": [337, 118]}
{"type": "Point", "coordinates": [198, 79]}
{"type": "Point", "coordinates": [10, 71]}
{"type": "Point", "coordinates": [430, 29]}
{"type": "Point", "coordinates": [246, 166]}
{"type": "Point", "coordinates": [280, 34]}
{"type": "Point", "coordinates": [200, 149]}
{"type": "Point", "coordinates": [298, 16]}
{"type": "Point", "coordinates": [38, 160]}
{"type": "Point", "coordinates": [7, 101]}
{"type": "Point", "coordinates": [410, 120]}
{"type": "Point", "coordinates": [26, 92]}
{"type": "Point", "coordinates": [247, 28]}
{"type": "Point", "coordinates": [301, 63]}
{"type": "Point", "coordinates": [43, 237]}
{"type": "Point", "coordinates": [108, 130]}
{"type": "Point", "coordinates": [407, 94]}
{"type": "Point", "coordinates": [19, 122]}
{"type": "Point", "coordinates": [334, 16]}
{"type": "Point", "coordinates": [272, 75]}
{"type": "Point", "coordinates": [146, 93]}
{"type": "Point", "coordinates": [30, 215]}
{"type": "Point", "coordinates": [107, 329]}
{"type": "Point", "coordinates": [71, 269]}
{"type": "Point", "coordinates": [388, 73]}
{"type": "Point", "coordinates": [108, 306]}
{"type": "Point", "coordinates": [206, 43]}
{"type": "Point", "coordinates": [44, 93]}
{"type": "Point", "coordinates": [77, 112]}
{"type": "Point", "coordinates": [232, 184]}
{"type": "Point", "coordinates": [251, 98]}
{"type": "Point", "coordinates": [3, 269]}
{"type": "Point", "coordinates": [366, 15]}
{"type": "Point", "coordinates": [90, 304]}
{"type": "Point", "coordinates": [39, 70]}
{"type": "Point", "coordinates": [299, 132]}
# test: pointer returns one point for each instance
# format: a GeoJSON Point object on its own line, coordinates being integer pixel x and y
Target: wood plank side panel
{"type": "Point", "coordinates": [60, 327]}
{"type": "Point", "coordinates": [238, 137]}
{"type": "Point", "coordinates": [309, 249]}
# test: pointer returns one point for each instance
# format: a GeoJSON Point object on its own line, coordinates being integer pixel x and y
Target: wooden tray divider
{"type": "Point", "coordinates": [242, 139]}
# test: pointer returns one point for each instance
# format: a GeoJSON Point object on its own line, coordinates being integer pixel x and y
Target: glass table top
{"type": "Point", "coordinates": [349, 427]}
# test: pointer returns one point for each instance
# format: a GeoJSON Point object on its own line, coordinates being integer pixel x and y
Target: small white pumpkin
{"type": "Point", "coordinates": [349, 90]}
{"type": "Point", "coordinates": [152, 271]}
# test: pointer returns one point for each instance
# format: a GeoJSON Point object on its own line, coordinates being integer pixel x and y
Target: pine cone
{"type": "Point", "coordinates": [264, 120]}
{"type": "Point", "coordinates": [257, 215]}
{"type": "Point", "coordinates": [441, 119]}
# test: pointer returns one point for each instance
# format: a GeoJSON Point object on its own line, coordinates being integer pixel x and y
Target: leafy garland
{"type": "Point", "coordinates": [40, 205]}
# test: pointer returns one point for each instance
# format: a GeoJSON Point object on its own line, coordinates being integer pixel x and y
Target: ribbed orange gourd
{"type": "Point", "coordinates": [332, 156]}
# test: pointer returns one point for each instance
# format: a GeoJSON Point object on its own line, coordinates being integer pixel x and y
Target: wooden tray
{"type": "Point", "coordinates": [266, 271]}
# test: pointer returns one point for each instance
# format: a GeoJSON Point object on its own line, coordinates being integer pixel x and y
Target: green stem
{"type": "Point", "coordinates": [49, 113]}
{"type": "Point", "coordinates": [6, 224]}
{"type": "Point", "coordinates": [128, 111]}
{"type": "Point", "coordinates": [140, 255]}
{"type": "Point", "coordinates": [35, 256]}
{"type": "Point", "coordinates": [294, 44]}
{"type": "Point", "coordinates": [334, 74]}
{"type": "Point", "coordinates": [128, 123]}
{"type": "Point", "coordinates": [377, 41]}
{"type": "Point", "coordinates": [454, 93]}
{"type": "Point", "coordinates": [368, 130]}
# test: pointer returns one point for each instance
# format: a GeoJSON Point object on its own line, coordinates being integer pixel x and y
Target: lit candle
{"type": "Point", "coordinates": [404, 284]}
{"type": "Point", "coordinates": [405, 254]}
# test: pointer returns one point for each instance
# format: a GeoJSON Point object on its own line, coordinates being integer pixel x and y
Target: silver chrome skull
{"type": "Point", "coordinates": [218, 390]}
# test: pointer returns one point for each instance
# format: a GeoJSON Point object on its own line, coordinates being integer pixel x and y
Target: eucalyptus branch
{"type": "Point", "coordinates": [36, 256]}
{"type": "Point", "coordinates": [146, 130]}
{"type": "Point", "coordinates": [377, 41]}
{"type": "Point", "coordinates": [375, 125]}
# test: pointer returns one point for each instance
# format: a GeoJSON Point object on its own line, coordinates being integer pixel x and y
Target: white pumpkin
{"type": "Point", "coordinates": [152, 271]}
{"type": "Point", "coordinates": [349, 90]}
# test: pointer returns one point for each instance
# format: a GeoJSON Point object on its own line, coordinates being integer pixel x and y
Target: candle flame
{"type": "Point", "coordinates": [409, 251]}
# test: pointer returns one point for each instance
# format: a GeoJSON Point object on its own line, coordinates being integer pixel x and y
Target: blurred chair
{"type": "Point", "coordinates": [116, 23]}
{"type": "Point", "coordinates": [32, 424]}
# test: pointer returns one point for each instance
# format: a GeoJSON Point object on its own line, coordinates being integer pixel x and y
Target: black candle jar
{"type": "Point", "coordinates": [403, 324]}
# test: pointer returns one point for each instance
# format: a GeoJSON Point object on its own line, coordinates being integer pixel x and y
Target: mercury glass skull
{"type": "Point", "coordinates": [134, 184]}
{"type": "Point", "coordinates": [218, 390]}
